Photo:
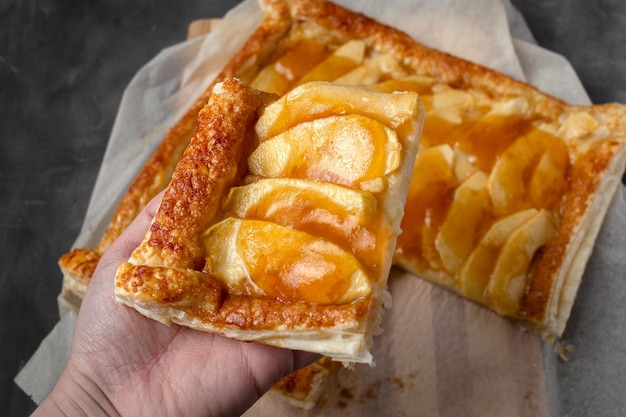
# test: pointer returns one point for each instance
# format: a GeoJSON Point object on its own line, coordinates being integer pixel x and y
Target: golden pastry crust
{"type": "Point", "coordinates": [552, 289]}
{"type": "Point", "coordinates": [305, 388]}
{"type": "Point", "coordinates": [191, 202]}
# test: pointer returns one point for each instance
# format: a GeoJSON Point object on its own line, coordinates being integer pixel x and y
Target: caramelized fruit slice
{"type": "Point", "coordinates": [344, 59]}
{"type": "Point", "coordinates": [474, 275]}
{"type": "Point", "coordinates": [275, 197]}
{"type": "Point", "coordinates": [324, 150]}
{"type": "Point", "coordinates": [344, 216]}
{"type": "Point", "coordinates": [253, 256]}
{"type": "Point", "coordinates": [516, 106]}
{"type": "Point", "coordinates": [319, 99]}
{"type": "Point", "coordinates": [365, 74]}
{"type": "Point", "coordinates": [483, 140]}
{"type": "Point", "coordinates": [372, 70]}
{"type": "Point", "coordinates": [416, 83]}
{"type": "Point", "coordinates": [271, 81]}
{"type": "Point", "coordinates": [549, 181]}
{"type": "Point", "coordinates": [509, 278]}
{"type": "Point", "coordinates": [463, 166]}
{"type": "Point", "coordinates": [451, 104]}
{"type": "Point", "coordinates": [294, 63]}
{"type": "Point", "coordinates": [297, 61]}
{"type": "Point", "coordinates": [429, 197]}
{"type": "Point", "coordinates": [319, 208]}
{"type": "Point", "coordinates": [513, 173]}
{"type": "Point", "coordinates": [460, 230]}
{"type": "Point", "coordinates": [577, 125]}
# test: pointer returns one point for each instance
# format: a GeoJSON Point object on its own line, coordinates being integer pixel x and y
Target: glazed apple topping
{"type": "Point", "coordinates": [310, 222]}
{"type": "Point", "coordinates": [486, 170]}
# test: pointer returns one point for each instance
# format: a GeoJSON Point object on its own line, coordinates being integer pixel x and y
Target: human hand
{"type": "Point", "coordinates": [125, 364]}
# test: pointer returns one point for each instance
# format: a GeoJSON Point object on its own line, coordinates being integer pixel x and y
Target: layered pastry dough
{"type": "Point", "coordinates": [304, 388]}
{"type": "Point", "coordinates": [279, 225]}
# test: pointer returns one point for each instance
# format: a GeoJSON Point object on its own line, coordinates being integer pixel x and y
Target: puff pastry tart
{"type": "Point", "coordinates": [280, 221]}
{"type": "Point", "coordinates": [510, 185]}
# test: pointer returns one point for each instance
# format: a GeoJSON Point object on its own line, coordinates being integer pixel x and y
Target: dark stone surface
{"type": "Point", "coordinates": [590, 34]}
{"type": "Point", "coordinates": [63, 68]}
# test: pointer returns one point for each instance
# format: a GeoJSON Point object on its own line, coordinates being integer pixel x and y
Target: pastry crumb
{"type": "Point", "coordinates": [562, 350]}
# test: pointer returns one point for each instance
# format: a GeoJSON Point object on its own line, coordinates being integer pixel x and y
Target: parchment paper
{"type": "Point", "coordinates": [439, 355]}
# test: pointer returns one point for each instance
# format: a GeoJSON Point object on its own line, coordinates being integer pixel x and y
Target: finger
{"type": "Point", "coordinates": [123, 246]}
{"type": "Point", "coordinates": [101, 319]}
{"type": "Point", "coordinates": [302, 359]}
{"type": "Point", "coordinates": [132, 237]}
{"type": "Point", "coordinates": [100, 287]}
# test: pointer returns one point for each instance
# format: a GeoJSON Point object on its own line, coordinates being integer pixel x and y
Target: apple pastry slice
{"type": "Point", "coordinates": [279, 224]}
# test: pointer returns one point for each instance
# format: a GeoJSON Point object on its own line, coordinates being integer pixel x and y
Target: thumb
{"type": "Point", "coordinates": [121, 249]}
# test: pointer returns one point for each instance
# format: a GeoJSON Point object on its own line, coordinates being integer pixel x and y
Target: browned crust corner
{"type": "Point", "coordinates": [210, 165]}
{"type": "Point", "coordinates": [586, 175]}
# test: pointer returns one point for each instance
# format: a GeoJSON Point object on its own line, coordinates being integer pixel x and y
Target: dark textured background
{"type": "Point", "coordinates": [63, 67]}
